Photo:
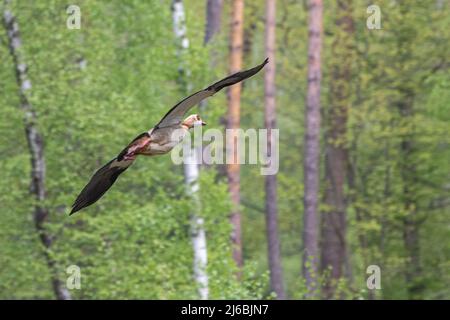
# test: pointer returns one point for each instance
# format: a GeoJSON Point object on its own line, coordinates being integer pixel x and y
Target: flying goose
{"type": "Point", "coordinates": [156, 141]}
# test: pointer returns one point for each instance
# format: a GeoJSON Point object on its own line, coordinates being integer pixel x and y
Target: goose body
{"type": "Point", "coordinates": [165, 139]}
{"type": "Point", "coordinates": [159, 140]}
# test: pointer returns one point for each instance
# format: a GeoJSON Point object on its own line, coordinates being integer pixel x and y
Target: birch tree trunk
{"type": "Point", "coordinates": [36, 149]}
{"type": "Point", "coordinates": [233, 123]}
{"type": "Point", "coordinates": [276, 273]}
{"type": "Point", "coordinates": [440, 4]}
{"type": "Point", "coordinates": [191, 170]}
{"type": "Point", "coordinates": [312, 147]}
{"type": "Point", "coordinates": [198, 237]}
{"type": "Point", "coordinates": [334, 223]}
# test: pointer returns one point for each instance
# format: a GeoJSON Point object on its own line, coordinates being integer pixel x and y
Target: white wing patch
{"type": "Point", "coordinates": [121, 164]}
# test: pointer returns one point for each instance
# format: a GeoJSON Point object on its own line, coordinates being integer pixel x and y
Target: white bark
{"type": "Point", "coordinates": [191, 169]}
{"type": "Point", "coordinates": [191, 174]}
{"type": "Point", "coordinates": [440, 4]}
{"type": "Point", "coordinates": [35, 147]}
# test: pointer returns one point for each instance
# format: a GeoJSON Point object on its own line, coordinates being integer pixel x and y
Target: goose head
{"type": "Point", "coordinates": [193, 120]}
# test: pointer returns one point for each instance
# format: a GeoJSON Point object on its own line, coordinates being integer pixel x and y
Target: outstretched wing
{"type": "Point", "coordinates": [100, 182]}
{"type": "Point", "coordinates": [176, 114]}
{"type": "Point", "coordinates": [105, 177]}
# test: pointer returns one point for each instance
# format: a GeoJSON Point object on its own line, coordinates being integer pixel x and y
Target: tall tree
{"type": "Point", "coordinates": [408, 172]}
{"type": "Point", "coordinates": [276, 273]}
{"type": "Point", "coordinates": [212, 27]}
{"type": "Point", "coordinates": [191, 170]}
{"type": "Point", "coordinates": [411, 222]}
{"type": "Point", "coordinates": [213, 19]}
{"type": "Point", "coordinates": [334, 223]}
{"type": "Point", "coordinates": [312, 146]}
{"type": "Point", "coordinates": [233, 123]}
{"type": "Point", "coordinates": [36, 149]}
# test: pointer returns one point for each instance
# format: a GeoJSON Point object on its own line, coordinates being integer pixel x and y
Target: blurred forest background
{"type": "Point", "coordinates": [381, 171]}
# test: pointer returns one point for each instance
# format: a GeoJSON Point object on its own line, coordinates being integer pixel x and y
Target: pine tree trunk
{"type": "Point", "coordinates": [36, 148]}
{"type": "Point", "coordinates": [334, 223]}
{"type": "Point", "coordinates": [212, 27]}
{"type": "Point", "coordinates": [312, 147]}
{"type": "Point", "coordinates": [213, 18]}
{"type": "Point", "coordinates": [191, 170]}
{"type": "Point", "coordinates": [276, 274]}
{"type": "Point", "coordinates": [408, 171]}
{"type": "Point", "coordinates": [411, 224]}
{"type": "Point", "coordinates": [233, 123]}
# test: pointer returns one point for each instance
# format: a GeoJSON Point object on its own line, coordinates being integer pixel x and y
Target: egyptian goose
{"type": "Point", "coordinates": [156, 141]}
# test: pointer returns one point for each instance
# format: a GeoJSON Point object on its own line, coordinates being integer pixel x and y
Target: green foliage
{"type": "Point", "coordinates": [135, 242]}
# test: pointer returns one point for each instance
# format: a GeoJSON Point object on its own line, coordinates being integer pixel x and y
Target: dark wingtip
{"type": "Point", "coordinates": [237, 77]}
{"type": "Point", "coordinates": [77, 206]}
{"type": "Point", "coordinates": [74, 209]}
